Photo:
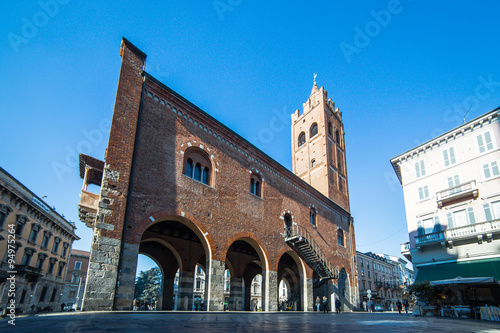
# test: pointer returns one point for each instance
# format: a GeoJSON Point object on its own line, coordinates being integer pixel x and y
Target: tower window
{"type": "Point", "coordinates": [337, 137]}
{"type": "Point", "coordinates": [340, 237]}
{"type": "Point", "coordinates": [255, 185]}
{"type": "Point", "coordinates": [197, 165]}
{"type": "Point", "coordinates": [312, 217]}
{"type": "Point", "coordinates": [302, 139]}
{"type": "Point", "coordinates": [313, 130]}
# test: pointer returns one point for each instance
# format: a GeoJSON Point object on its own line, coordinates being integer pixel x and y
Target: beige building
{"type": "Point", "coordinates": [35, 242]}
{"type": "Point", "coordinates": [451, 187]}
{"type": "Point", "coordinates": [378, 278]}
{"type": "Point", "coordinates": [75, 279]}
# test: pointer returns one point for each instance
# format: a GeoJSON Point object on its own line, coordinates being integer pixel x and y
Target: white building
{"type": "Point", "coordinates": [451, 187]}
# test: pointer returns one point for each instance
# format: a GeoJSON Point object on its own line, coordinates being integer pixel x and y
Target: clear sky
{"type": "Point", "coordinates": [402, 72]}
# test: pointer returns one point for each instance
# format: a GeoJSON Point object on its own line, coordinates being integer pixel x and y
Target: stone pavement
{"type": "Point", "coordinates": [206, 322]}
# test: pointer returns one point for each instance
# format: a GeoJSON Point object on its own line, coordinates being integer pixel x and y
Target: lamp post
{"type": "Point", "coordinates": [80, 277]}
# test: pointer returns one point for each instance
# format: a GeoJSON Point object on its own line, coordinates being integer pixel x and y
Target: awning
{"type": "Point", "coordinates": [465, 269]}
{"type": "Point", "coordinates": [462, 280]}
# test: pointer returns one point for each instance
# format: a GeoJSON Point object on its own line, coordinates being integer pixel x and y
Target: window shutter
{"type": "Point", "coordinates": [450, 221]}
{"type": "Point", "coordinates": [480, 143]}
{"type": "Point", "coordinates": [437, 225]}
{"type": "Point", "coordinates": [420, 230]}
{"type": "Point", "coordinates": [487, 138]}
{"type": "Point", "coordinates": [487, 212]}
{"type": "Point", "coordinates": [472, 219]}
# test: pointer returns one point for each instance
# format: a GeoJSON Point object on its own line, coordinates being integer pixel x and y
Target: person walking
{"type": "Point", "coordinates": [325, 304]}
{"type": "Point", "coordinates": [364, 306]}
{"type": "Point", "coordinates": [407, 305]}
{"type": "Point", "coordinates": [399, 305]}
{"type": "Point", "coordinates": [337, 305]}
{"type": "Point", "coordinates": [318, 303]}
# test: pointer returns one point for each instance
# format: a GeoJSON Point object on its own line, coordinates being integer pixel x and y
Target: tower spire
{"type": "Point", "coordinates": [315, 87]}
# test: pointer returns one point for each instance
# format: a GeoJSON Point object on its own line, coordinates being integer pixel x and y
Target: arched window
{"type": "Point", "coordinates": [302, 139]}
{"type": "Point", "coordinates": [288, 225]}
{"type": "Point", "coordinates": [337, 137]}
{"type": "Point", "coordinates": [339, 162]}
{"type": "Point", "coordinates": [330, 129]}
{"type": "Point", "coordinates": [255, 185]}
{"type": "Point", "coordinates": [312, 216]}
{"type": "Point", "coordinates": [313, 130]}
{"type": "Point", "coordinates": [197, 165]}
{"type": "Point", "coordinates": [340, 237]}
{"type": "Point", "coordinates": [313, 163]}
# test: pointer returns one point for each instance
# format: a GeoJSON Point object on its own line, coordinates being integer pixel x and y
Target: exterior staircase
{"type": "Point", "coordinates": [301, 242]}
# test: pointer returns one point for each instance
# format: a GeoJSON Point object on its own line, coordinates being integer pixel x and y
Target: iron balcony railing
{"type": "Point", "coordinates": [303, 243]}
{"type": "Point", "coordinates": [471, 230]}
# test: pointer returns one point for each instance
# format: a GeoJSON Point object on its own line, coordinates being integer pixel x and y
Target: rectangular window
{"type": "Point", "coordinates": [362, 272]}
{"type": "Point", "coordinates": [490, 170]}
{"type": "Point", "coordinates": [423, 192]}
{"type": "Point", "coordinates": [420, 169]}
{"type": "Point", "coordinates": [361, 261]}
{"type": "Point", "coordinates": [78, 266]}
{"type": "Point", "coordinates": [3, 216]}
{"type": "Point", "coordinates": [42, 295]}
{"type": "Point", "coordinates": [453, 181]}
{"type": "Point", "coordinates": [449, 157]}
{"type": "Point", "coordinates": [368, 264]}
{"type": "Point", "coordinates": [53, 297]}
{"type": "Point", "coordinates": [484, 142]}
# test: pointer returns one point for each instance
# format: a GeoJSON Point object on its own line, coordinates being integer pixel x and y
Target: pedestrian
{"type": "Point", "coordinates": [136, 304]}
{"type": "Point", "coordinates": [318, 303]}
{"type": "Point", "coordinates": [399, 305]}
{"type": "Point", "coordinates": [63, 306]}
{"type": "Point", "coordinates": [364, 306]}
{"type": "Point", "coordinates": [407, 305]}
{"type": "Point", "coordinates": [369, 305]}
{"type": "Point", "coordinates": [325, 304]}
{"type": "Point", "coordinates": [337, 305]}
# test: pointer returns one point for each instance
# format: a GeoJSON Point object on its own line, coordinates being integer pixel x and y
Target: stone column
{"type": "Point", "coordinates": [185, 293]}
{"type": "Point", "coordinates": [102, 274]}
{"type": "Point", "coordinates": [215, 294]}
{"type": "Point", "coordinates": [168, 294]}
{"type": "Point", "coordinates": [126, 277]}
{"type": "Point", "coordinates": [307, 295]}
{"type": "Point", "coordinates": [270, 290]}
{"type": "Point", "coordinates": [236, 294]}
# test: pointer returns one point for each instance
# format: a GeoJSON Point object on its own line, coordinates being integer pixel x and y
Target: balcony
{"type": "Point", "coordinates": [454, 193]}
{"type": "Point", "coordinates": [481, 231]}
{"type": "Point", "coordinates": [405, 250]}
{"type": "Point", "coordinates": [87, 208]}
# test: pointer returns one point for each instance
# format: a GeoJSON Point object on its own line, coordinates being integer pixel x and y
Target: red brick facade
{"type": "Point", "coordinates": [149, 205]}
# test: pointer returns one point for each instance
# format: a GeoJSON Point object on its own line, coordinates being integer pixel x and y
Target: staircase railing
{"type": "Point", "coordinates": [303, 243]}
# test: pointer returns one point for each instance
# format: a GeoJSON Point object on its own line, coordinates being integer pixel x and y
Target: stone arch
{"type": "Point", "coordinates": [253, 240]}
{"type": "Point", "coordinates": [296, 277]}
{"type": "Point", "coordinates": [180, 216]}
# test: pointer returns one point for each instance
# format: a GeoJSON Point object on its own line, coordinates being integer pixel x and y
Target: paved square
{"type": "Point", "coordinates": [242, 322]}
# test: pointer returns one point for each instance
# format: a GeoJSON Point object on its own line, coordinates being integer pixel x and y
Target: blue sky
{"type": "Point", "coordinates": [401, 72]}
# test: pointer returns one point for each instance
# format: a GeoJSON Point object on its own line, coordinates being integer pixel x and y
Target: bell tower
{"type": "Point", "coordinates": [318, 147]}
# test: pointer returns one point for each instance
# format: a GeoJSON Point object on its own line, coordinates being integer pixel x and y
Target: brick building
{"type": "Point", "coordinates": [182, 188]}
{"type": "Point", "coordinates": [35, 242]}
{"type": "Point", "coordinates": [74, 284]}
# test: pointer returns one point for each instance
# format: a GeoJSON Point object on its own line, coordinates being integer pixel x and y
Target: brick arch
{"type": "Point", "coordinates": [254, 241]}
{"type": "Point", "coordinates": [185, 218]}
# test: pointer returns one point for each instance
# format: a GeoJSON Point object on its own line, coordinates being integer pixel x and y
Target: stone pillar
{"type": "Point", "coordinates": [215, 294]}
{"type": "Point", "coordinates": [168, 294]}
{"type": "Point", "coordinates": [270, 290]}
{"type": "Point", "coordinates": [247, 299]}
{"type": "Point", "coordinates": [102, 274]}
{"type": "Point", "coordinates": [307, 295]}
{"type": "Point", "coordinates": [236, 294]}
{"type": "Point", "coordinates": [185, 293]}
{"type": "Point", "coordinates": [126, 277]}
